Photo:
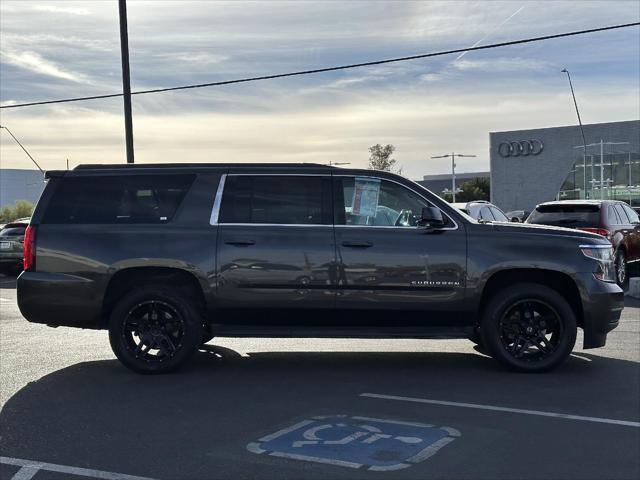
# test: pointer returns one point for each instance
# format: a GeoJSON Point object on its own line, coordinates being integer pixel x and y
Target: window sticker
{"type": "Point", "coordinates": [365, 196]}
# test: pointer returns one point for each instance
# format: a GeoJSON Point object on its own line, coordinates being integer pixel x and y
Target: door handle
{"type": "Point", "coordinates": [357, 244]}
{"type": "Point", "coordinates": [240, 243]}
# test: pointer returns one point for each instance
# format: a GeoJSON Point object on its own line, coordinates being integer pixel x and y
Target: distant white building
{"type": "Point", "coordinates": [20, 184]}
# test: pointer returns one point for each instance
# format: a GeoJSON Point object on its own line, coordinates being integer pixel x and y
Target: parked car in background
{"type": "Point", "coordinates": [12, 245]}
{"type": "Point", "coordinates": [168, 256]}
{"type": "Point", "coordinates": [612, 219]}
{"type": "Point", "coordinates": [482, 211]}
{"type": "Point", "coordinates": [517, 215]}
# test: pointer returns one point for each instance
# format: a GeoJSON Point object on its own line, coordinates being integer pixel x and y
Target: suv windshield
{"type": "Point", "coordinates": [571, 216]}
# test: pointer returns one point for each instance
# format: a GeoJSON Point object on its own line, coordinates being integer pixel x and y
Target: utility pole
{"type": "Point", "coordinates": [453, 156]}
{"type": "Point", "coordinates": [22, 147]}
{"type": "Point", "coordinates": [584, 140]}
{"type": "Point", "coordinates": [126, 80]}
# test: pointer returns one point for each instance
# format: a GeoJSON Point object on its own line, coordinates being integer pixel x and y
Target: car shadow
{"type": "Point", "coordinates": [198, 420]}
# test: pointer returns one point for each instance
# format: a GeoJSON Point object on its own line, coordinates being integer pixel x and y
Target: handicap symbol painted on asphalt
{"type": "Point", "coordinates": [355, 442]}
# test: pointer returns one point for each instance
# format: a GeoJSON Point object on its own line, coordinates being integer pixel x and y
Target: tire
{"type": "Point", "coordinates": [529, 327]}
{"type": "Point", "coordinates": [155, 329]}
{"type": "Point", "coordinates": [621, 267]}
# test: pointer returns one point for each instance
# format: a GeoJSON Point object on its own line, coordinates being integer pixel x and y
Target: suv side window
{"type": "Point", "coordinates": [616, 216]}
{"type": "Point", "coordinates": [370, 201]}
{"type": "Point", "coordinates": [633, 216]}
{"type": "Point", "coordinates": [498, 215]}
{"type": "Point", "coordinates": [117, 199]}
{"type": "Point", "coordinates": [485, 214]}
{"type": "Point", "coordinates": [276, 199]}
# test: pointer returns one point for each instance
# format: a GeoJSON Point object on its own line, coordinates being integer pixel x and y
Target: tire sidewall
{"type": "Point", "coordinates": [181, 302]}
{"type": "Point", "coordinates": [503, 300]}
{"type": "Point", "coordinates": [621, 257]}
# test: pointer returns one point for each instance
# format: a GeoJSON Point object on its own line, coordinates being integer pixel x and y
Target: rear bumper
{"type": "Point", "coordinates": [59, 299]}
{"type": "Point", "coordinates": [602, 304]}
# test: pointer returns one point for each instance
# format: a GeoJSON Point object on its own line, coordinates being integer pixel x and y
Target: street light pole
{"type": "Point", "coordinates": [453, 156]}
{"type": "Point", "coordinates": [126, 80]}
{"type": "Point", "coordinates": [584, 140]}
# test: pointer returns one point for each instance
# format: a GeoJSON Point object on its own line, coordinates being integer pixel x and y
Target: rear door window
{"type": "Point", "coordinates": [117, 199]}
{"type": "Point", "coordinates": [615, 216]}
{"type": "Point", "coordinates": [277, 199]}
{"type": "Point", "coordinates": [571, 216]}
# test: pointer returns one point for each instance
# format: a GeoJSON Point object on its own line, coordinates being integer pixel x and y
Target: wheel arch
{"type": "Point", "coordinates": [123, 280]}
{"type": "Point", "coordinates": [559, 281]}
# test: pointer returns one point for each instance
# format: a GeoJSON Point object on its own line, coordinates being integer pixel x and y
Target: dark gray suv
{"type": "Point", "coordinates": [169, 256]}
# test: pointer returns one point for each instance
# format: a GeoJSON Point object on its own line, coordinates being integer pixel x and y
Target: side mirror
{"type": "Point", "coordinates": [516, 220]}
{"type": "Point", "coordinates": [431, 218]}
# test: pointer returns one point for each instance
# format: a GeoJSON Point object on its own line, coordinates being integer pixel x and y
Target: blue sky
{"type": "Point", "coordinates": [424, 107]}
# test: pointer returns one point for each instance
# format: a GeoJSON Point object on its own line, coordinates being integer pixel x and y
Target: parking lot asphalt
{"type": "Point", "coordinates": [66, 401]}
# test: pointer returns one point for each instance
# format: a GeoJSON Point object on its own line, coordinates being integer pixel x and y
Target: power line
{"type": "Point", "coordinates": [331, 69]}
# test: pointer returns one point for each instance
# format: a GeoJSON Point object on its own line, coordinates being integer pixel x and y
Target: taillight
{"type": "Point", "coordinates": [29, 260]}
{"type": "Point", "coordinates": [600, 231]}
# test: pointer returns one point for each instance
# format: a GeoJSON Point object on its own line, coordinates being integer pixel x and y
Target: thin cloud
{"type": "Point", "coordinates": [58, 9]}
{"type": "Point", "coordinates": [34, 62]}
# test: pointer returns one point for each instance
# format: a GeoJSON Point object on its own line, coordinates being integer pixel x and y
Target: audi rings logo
{"type": "Point", "coordinates": [523, 148]}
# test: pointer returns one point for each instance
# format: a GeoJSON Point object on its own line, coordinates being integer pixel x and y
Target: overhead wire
{"type": "Point", "coordinates": [328, 69]}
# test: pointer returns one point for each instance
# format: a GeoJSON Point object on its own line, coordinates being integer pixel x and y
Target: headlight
{"type": "Point", "coordinates": [603, 255]}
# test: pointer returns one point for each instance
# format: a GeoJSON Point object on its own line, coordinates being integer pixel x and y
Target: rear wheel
{"type": "Point", "coordinates": [155, 329]}
{"type": "Point", "coordinates": [621, 269]}
{"type": "Point", "coordinates": [529, 327]}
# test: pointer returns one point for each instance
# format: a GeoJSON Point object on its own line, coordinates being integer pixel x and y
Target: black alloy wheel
{"type": "Point", "coordinates": [529, 327]}
{"type": "Point", "coordinates": [530, 330]}
{"type": "Point", "coordinates": [155, 329]}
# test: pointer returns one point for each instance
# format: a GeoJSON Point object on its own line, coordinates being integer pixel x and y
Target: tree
{"type": "Point", "coordinates": [380, 157]}
{"type": "Point", "coordinates": [478, 188]}
{"type": "Point", "coordinates": [20, 209]}
{"type": "Point", "coordinates": [475, 189]}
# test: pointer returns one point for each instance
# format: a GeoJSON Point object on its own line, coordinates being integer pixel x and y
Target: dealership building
{"type": "Point", "coordinates": [533, 166]}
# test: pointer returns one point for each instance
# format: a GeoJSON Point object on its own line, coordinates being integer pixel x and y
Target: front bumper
{"type": "Point", "coordinates": [602, 305]}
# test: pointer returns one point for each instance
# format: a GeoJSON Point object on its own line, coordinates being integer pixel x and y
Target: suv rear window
{"type": "Point", "coordinates": [571, 216]}
{"type": "Point", "coordinates": [117, 199]}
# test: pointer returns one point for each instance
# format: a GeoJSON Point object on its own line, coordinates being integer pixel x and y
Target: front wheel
{"type": "Point", "coordinates": [529, 327]}
{"type": "Point", "coordinates": [155, 329]}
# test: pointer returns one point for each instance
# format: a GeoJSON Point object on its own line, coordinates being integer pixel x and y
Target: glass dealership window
{"type": "Point", "coordinates": [620, 172]}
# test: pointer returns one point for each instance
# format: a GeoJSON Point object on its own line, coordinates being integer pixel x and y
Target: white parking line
{"type": "Point", "coordinates": [30, 467]}
{"type": "Point", "coordinates": [494, 408]}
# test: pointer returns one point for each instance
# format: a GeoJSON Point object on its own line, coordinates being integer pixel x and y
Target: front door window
{"type": "Point", "coordinates": [369, 201]}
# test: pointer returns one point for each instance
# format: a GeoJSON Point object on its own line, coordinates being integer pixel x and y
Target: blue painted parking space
{"type": "Point", "coordinates": [356, 442]}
